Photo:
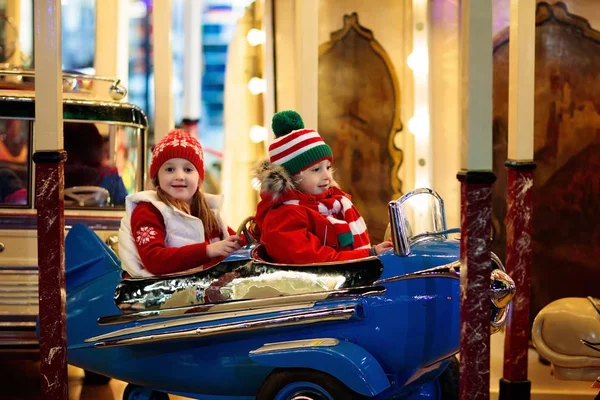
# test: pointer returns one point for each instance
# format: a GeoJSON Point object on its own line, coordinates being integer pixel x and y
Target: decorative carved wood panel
{"type": "Point", "coordinates": [566, 221]}
{"type": "Point", "coordinates": [359, 114]}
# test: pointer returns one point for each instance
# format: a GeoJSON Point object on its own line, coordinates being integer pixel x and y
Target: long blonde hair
{"type": "Point", "coordinates": [198, 207]}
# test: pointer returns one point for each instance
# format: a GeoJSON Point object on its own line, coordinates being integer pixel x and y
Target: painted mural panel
{"type": "Point", "coordinates": [359, 115]}
{"type": "Point", "coordinates": [566, 233]}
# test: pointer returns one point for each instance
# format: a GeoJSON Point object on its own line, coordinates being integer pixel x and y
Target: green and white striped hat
{"type": "Point", "coordinates": [296, 148]}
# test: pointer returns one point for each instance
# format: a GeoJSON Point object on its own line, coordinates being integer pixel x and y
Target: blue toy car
{"type": "Point", "coordinates": [384, 327]}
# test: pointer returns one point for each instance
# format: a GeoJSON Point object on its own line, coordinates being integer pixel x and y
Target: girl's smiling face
{"type": "Point", "coordinates": [179, 178]}
{"type": "Point", "coordinates": [316, 179]}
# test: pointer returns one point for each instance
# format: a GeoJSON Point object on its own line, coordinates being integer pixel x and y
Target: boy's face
{"type": "Point", "coordinates": [179, 178]}
{"type": "Point", "coordinates": [316, 179]}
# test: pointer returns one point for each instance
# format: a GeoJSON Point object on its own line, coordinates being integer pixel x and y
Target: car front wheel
{"type": "Point", "coordinates": [135, 392]}
{"type": "Point", "coordinates": [306, 384]}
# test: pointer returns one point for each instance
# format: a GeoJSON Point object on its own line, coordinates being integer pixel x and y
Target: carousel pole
{"type": "Point", "coordinates": [49, 157]}
{"type": "Point", "coordinates": [307, 60]}
{"type": "Point", "coordinates": [520, 165]}
{"type": "Point", "coordinates": [192, 66]}
{"type": "Point", "coordinates": [111, 56]}
{"type": "Point", "coordinates": [476, 179]}
{"type": "Point", "coordinates": [162, 59]}
{"type": "Point", "coordinates": [268, 57]}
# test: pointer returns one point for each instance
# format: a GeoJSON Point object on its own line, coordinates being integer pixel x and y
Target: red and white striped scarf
{"type": "Point", "coordinates": [348, 225]}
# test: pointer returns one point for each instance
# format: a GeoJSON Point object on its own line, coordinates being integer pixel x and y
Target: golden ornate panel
{"type": "Point", "coordinates": [359, 115]}
{"type": "Point", "coordinates": [566, 229]}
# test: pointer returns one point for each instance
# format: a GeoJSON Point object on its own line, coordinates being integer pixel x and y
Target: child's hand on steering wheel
{"type": "Point", "coordinates": [224, 247]}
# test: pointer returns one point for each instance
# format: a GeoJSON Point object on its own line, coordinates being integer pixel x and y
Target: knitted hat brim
{"type": "Point", "coordinates": [307, 159]}
{"type": "Point", "coordinates": [177, 144]}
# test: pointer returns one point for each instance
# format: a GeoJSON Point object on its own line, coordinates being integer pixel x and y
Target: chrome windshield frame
{"type": "Point", "coordinates": [398, 221]}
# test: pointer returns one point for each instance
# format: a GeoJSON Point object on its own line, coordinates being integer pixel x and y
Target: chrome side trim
{"type": "Point", "coordinates": [335, 314]}
{"type": "Point", "coordinates": [243, 305]}
{"type": "Point", "coordinates": [196, 320]}
{"type": "Point", "coordinates": [296, 344]}
{"type": "Point", "coordinates": [450, 270]}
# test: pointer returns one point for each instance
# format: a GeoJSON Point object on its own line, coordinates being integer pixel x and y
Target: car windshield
{"type": "Point", "coordinates": [423, 213]}
{"type": "Point", "coordinates": [102, 166]}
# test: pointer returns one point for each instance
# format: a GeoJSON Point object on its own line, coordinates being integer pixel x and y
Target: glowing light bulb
{"type": "Point", "coordinates": [258, 134]}
{"type": "Point", "coordinates": [418, 61]}
{"type": "Point", "coordinates": [256, 37]}
{"type": "Point", "coordinates": [419, 123]}
{"type": "Point", "coordinates": [257, 85]}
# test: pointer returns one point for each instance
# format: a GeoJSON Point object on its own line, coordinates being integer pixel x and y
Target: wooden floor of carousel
{"type": "Point", "coordinates": [19, 379]}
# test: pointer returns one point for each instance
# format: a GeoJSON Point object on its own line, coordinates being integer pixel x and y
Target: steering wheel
{"type": "Point", "coordinates": [88, 195]}
{"type": "Point", "coordinates": [246, 228]}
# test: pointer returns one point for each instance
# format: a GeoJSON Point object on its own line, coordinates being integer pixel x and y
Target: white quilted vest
{"type": "Point", "coordinates": [182, 229]}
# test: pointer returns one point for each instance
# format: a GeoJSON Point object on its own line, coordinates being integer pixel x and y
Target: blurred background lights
{"type": "Point", "coordinates": [418, 125]}
{"type": "Point", "coordinates": [258, 134]}
{"type": "Point", "coordinates": [257, 85]}
{"type": "Point", "coordinates": [256, 37]}
{"type": "Point", "coordinates": [418, 61]}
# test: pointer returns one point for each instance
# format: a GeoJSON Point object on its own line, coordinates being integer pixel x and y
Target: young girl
{"type": "Point", "coordinates": [177, 227]}
{"type": "Point", "coordinates": [303, 217]}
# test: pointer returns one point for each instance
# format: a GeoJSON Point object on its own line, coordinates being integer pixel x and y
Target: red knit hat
{"type": "Point", "coordinates": [177, 144]}
{"type": "Point", "coordinates": [296, 148]}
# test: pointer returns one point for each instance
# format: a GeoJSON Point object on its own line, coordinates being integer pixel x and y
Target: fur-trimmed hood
{"type": "Point", "coordinates": [277, 186]}
{"type": "Point", "coordinates": [274, 179]}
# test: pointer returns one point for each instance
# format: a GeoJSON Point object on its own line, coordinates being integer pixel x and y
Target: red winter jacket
{"type": "Point", "coordinates": [159, 259]}
{"type": "Point", "coordinates": [294, 234]}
